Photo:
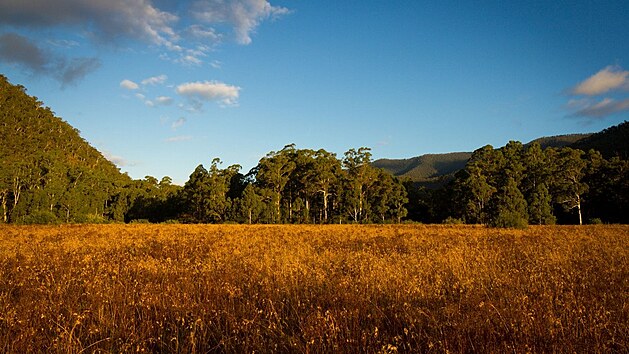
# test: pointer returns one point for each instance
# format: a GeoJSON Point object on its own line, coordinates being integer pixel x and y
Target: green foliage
{"type": "Point", "coordinates": [595, 221]}
{"type": "Point", "coordinates": [49, 174]}
{"type": "Point", "coordinates": [40, 218]}
{"type": "Point", "coordinates": [46, 168]}
{"type": "Point", "coordinates": [453, 221]}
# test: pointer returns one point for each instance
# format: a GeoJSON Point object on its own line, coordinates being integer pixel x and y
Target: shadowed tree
{"type": "Point", "coordinates": [569, 180]}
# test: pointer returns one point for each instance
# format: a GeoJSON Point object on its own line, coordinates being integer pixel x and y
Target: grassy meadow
{"type": "Point", "coordinates": [313, 289]}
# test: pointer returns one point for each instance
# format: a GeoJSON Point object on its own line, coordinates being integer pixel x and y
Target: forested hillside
{"type": "Point", "coordinates": [611, 142]}
{"type": "Point", "coordinates": [49, 174]}
{"type": "Point", "coordinates": [433, 170]}
{"type": "Point", "coordinates": [47, 171]}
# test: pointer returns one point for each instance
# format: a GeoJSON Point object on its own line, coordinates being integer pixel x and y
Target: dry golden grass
{"type": "Point", "coordinates": [313, 289]}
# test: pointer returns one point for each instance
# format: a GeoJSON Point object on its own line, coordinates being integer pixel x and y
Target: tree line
{"type": "Point", "coordinates": [287, 186]}
{"type": "Point", "coordinates": [517, 185]}
{"type": "Point", "coordinates": [49, 174]}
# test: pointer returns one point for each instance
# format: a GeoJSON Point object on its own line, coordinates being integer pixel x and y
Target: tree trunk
{"type": "Point", "coordinates": [325, 206]}
{"type": "Point", "coordinates": [4, 207]}
{"type": "Point", "coordinates": [579, 209]}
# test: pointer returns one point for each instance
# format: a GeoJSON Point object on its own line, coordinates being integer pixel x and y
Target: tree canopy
{"type": "Point", "coordinates": [49, 174]}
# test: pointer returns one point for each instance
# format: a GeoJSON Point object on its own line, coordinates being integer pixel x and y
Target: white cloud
{"type": "Point", "coordinates": [188, 38]}
{"type": "Point", "coordinates": [155, 80]}
{"type": "Point", "coordinates": [178, 123]}
{"type": "Point", "coordinates": [610, 78]}
{"type": "Point", "coordinates": [178, 138]}
{"type": "Point", "coordinates": [205, 33]}
{"type": "Point", "coordinates": [163, 100]}
{"type": "Point", "coordinates": [189, 60]}
{"type": "Point", "coordinates": [129, 85]}
{"type": "Point", "coordinates": [210, 91]}
{"type": "Point", "coordinates": [243, 15]}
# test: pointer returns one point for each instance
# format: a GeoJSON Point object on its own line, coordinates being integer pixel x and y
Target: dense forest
{"type": "Point", "coordinates": [49, 174]}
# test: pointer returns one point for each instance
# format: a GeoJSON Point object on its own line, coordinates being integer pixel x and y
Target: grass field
{"type": "Point", "coordinates": [313, 289]}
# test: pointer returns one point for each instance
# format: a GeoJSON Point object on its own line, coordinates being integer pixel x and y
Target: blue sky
{"type": "Point", "coordinates": [160, 86]}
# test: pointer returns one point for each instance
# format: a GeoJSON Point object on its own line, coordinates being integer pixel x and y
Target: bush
{"type": "Point", "coordinates": [91, 219]}
{"type": "Point", "coordinates": [510, 219]}
{"type": "Point", "coordinates": [595, 221]}
{"type": "Point", "coordinates": [453, 221]}
{"type": "Point", "coordinates": [139, 221]}
{"type": "Point", "coordinates": [171, 221]}
{"type": "Point", "coordinates": [40, 217]}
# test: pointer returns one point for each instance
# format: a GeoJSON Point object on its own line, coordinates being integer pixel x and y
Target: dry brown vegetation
{"type": "Point", "coordinates": [313, 289]}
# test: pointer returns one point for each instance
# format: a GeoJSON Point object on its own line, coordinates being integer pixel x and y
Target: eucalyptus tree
{"type": "Point", "coordinates": [388, 198]}
{"type": "Point", "coordinates": [535, 184]}
{"type": "Point", "coordinates": [322, 179]}
{"type": "Point", "coordinates": [359, 178]}
{"type": "Point", "coordinates": [477, 183]}
{"type": "Point", "coordinates": [569, 180]}
{"type": "Point", "coordinates": [273, 173]}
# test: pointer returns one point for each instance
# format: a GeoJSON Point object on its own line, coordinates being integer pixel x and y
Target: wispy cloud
{"type": "Point", "coordinates": [185, 37]}
{"type": "Point", "coordinates": [129, 85]}
{"type": "Point", "coordinates": [75, 69]}
{"type": "Point", "coordinates": [610, 81]}
{"type": "Point", "coordinates": [18, 50]}
{"type": "Point", "coordinates": [178, 138]}
{"type": "Point", "coordinates": [210, 91]}
{"type": "Point", "coordinates": [178, 123]}
{"type": "Point", "coordinates": [163, 100]}
{"type": "Point", "coordinates": [243, 15]}
{"type": "Point", "coordinates": [603, 108]}
{"type": "Point", "coordinates": [155, 80]}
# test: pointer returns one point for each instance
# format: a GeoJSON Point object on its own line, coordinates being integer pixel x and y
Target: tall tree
{"type": "Point", "coordinates": [569, 180]}
{"type": "Point", "coordinates": [323, 178]}
{"type": "Point", "coordinates": [359, 178]}
{"type": "Point", "coordinates": [477, 183]}
{"type": "Point", "coordinates": [274, 172]}
{"type": "Point", "coordinates": [195, 193]}
{"type": "Point", "coordinates": [509, 208]}
{"type": "Point", "coordinates": [534, 185]}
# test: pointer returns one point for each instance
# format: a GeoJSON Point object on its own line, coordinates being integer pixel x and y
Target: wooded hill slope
{"type": "Point", "coordinates": [46, 169]}
{"type": "Point", "coordinates": [49, 174]}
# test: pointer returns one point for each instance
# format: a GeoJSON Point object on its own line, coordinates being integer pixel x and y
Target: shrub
{"type": "Point", "coordinates": [40, 217]}
{"type": "Point", "coordinates": [510, 219]}
{"type": "Point", "coordinates": [139, 221]}
{"type": "Point", "coordinates": [453, 221]}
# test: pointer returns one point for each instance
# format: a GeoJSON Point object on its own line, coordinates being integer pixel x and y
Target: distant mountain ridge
{"type": "Point", "coordinates": [427, 169]}
{"type": "Point", "coordinates": [559, 141]}
{"type": "Point", "coordinates": [434, 170]}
